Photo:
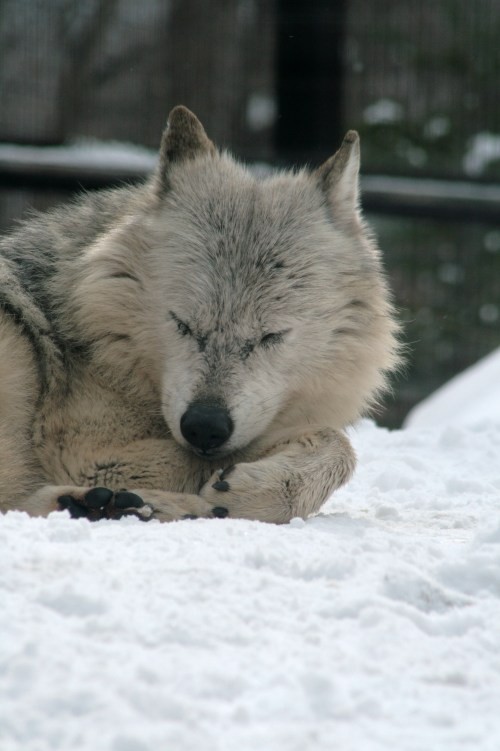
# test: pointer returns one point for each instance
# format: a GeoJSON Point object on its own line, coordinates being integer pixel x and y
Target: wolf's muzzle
{"type": "Point", "coordinates": [206, 428]}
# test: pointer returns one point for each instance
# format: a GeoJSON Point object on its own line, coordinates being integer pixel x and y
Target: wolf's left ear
{"type": "Point", "coordinates": [183, 138]}
{"type": "Point", "coordinates": [339, 179]}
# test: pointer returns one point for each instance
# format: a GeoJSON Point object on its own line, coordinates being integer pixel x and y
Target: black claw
{"type": "Point", "coordinates": [189, 516]}
{"type": "Point", "coordinates": [76, 511]}
{"type": "Point", "coordinates": [98, 497]}
{"type": "Point", "coordinates": [221, 485]}
{"type": "Point", "coordinates": [64, 501]}
{"type": "Point", "coordinates": [125, 499]}
{"type": "Point", "coordinates": [220, 512]}
{"type": "Point", "coordinates": [67, 502]}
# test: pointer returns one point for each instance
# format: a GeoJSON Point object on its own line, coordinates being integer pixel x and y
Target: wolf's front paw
{"type": "Point", "coordinates": [102, 503]}
{"type": "Point", "coordinates": [249, 491]}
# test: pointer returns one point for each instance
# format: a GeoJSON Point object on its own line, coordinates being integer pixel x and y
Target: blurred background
{"type": "Point", "coordinates": [279, 82]}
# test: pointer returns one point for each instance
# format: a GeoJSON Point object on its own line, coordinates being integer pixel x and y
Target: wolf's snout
{"type": "Point", "coordinates": [205, 427]}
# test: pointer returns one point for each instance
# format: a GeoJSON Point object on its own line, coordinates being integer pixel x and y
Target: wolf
{"type": "Point", "coordinates": [193, 346]}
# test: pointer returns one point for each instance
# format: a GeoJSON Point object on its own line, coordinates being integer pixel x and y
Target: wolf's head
{"type": "Point", "coordinates": [271, 311]}
{"type": "Point", "coordinates": [274, 306]}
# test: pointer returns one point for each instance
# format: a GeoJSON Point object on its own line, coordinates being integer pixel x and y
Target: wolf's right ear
{"type": "Point", "coordinates": [183, 138]}
{"type": "Point", "coordinates": [339, 179]}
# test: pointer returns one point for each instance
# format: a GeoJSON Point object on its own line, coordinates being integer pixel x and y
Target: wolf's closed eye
{"type": "Point", "coordinates": [182, 327]}
{"type": "Point", "coordinates": [185, 330]}
{"type": "Point", "coordinates": [268, 340]}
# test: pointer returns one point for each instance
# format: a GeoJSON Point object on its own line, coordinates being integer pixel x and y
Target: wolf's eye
{"type": "Point", "coordinates": [268, 340]}
{"type": "Point", "coordinates": [182, 327]}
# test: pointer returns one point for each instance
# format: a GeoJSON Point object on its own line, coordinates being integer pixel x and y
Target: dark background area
{"type": "Point", "coordinates": [279, 82]}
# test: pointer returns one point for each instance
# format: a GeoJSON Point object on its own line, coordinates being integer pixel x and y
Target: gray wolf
{"type": "Point", "coordinates": [193, 346]}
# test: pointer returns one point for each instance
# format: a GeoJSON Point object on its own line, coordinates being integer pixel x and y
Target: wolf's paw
{"type": "Point", "coordinates": [102, 503]}
{"type": "Point", "coordinates": [248, 491]}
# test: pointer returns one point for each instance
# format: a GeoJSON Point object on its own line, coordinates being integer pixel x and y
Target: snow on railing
{"type": "Point", "coordinates": [95, 164]}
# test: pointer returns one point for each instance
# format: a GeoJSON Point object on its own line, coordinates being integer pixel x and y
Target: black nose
{"type": "Point", "coordinates": [206, 427]}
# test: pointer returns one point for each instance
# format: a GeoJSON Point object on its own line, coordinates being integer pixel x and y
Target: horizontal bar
{"type": "Point", "coordinates": [450, 199]}
{"type": "Point", "coordinates": [82, 164]}
{"type": "Point", "coordinates": [100, 164]}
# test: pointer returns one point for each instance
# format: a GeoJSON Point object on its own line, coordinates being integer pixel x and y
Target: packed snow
{"type": "Point", "coordinates": [372, 626]}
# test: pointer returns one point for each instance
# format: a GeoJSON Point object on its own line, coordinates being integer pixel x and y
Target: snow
{"type": "Point", "coordinates": [437, 127]}
{"type": "Point", "coordinates": [84, 157]}
{"type": "Point", "coordinates": [82, 153]}
{"type": "Point", "coordinates": [383, 112]}
{"type": "Point", "coordinates": [482, 150]}
{"type": "Point", "coordinates": [373, 626]}
{"type": "Point", "coordinates": [261, 111]}
{"type": "Point", "coordinates": [472, 395]}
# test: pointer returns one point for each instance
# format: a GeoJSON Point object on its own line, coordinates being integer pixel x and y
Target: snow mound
{"type": "Point", "coordinates": [469, 397]}
{"type": "Point", "coordinates": [372, 626]}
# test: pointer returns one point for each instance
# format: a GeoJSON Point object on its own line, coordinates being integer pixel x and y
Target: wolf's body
{"type": "Point", "coordinates": [152, 336]}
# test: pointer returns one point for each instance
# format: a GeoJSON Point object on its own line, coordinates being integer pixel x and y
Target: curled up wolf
{"type": "Point", "coordinates": [193, 346]}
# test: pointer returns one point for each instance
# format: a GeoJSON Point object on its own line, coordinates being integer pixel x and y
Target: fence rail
{"type": "Point", "coordinates": [75, 167]}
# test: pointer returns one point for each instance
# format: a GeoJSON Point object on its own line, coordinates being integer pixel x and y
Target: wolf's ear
{"type": "Point", "coordinates": [339, 179]}
{"type": "Point", "coordinates": [183, 138]}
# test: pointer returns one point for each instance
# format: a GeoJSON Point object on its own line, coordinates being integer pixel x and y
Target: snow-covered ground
{"type": "Point", "coordinates": [471, 396]}
{"type": "Point", "coordinates": [373, 627]}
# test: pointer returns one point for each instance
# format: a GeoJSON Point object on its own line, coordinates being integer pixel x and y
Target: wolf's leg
{"type": "Point", "coordinates": [18, 393]}
{"type": "Point", "coordinates": [147, 478]}
{"type": "Point", "coordinates": [293, 478]}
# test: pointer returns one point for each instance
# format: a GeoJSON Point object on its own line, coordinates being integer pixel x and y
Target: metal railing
{"type": "Point", "coordinates": [81, 166]}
